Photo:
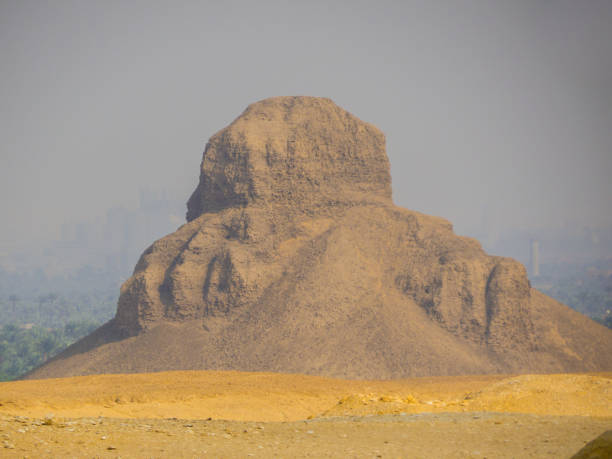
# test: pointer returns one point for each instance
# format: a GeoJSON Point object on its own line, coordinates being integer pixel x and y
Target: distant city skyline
{"type": "Point", "coordinates": [505, 106]}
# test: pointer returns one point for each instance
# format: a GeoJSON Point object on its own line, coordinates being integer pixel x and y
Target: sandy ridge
{"type": "Point", "coordinates": [244, 396]}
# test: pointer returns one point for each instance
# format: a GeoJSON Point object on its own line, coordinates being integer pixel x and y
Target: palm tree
{"type": "Point", "coordinates": [13, 299]}
{"type": "Point", "coordinates": [41, 300]}
{"type": "Point", "coordinates": [47, 345]}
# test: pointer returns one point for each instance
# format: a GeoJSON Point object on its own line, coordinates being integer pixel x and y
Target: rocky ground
{"type": "Point", "coordinates": [231, 414]}
{"type": "Point", "coordinates": [462, 435]}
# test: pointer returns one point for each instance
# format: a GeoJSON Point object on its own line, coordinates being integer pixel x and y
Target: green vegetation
{"type": "Point", "coordinates": [606, 321]}
{"type": "Point", "coordinates": [54, 310]}
{"type": "Point", "coordinates": [585, 288]}
{"type": "Point", "coordinates": [41, 315]}
{"type": "Point", "coordinates": [24, 348]}
{"type": "Point", "coordinates": [35, 328]}
{"type": "Point", "coordinates": [51, 301]}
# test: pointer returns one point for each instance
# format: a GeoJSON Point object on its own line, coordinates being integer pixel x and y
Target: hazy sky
{"type": "Point", "coordinates": [503, 105]}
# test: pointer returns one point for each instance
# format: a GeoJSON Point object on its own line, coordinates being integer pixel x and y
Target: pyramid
{"type": "Point", "coordinates": [295, 259]}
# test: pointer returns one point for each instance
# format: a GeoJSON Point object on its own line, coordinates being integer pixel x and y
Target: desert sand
{"type": "Point", "coordinates": [230, 414]}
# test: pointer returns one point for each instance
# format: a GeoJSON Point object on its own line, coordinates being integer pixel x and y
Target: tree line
{"type": "Point", "coordinates": [24, 348]}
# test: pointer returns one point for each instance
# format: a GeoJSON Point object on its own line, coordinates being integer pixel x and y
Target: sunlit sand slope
{"type": "Point", "coordinates": [286, 397]}
{"type": "Point", "coordinates": [233, 414]}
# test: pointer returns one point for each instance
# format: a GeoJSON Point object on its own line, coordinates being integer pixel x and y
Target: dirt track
{"type": "Point", "coordinates": [267, 415]}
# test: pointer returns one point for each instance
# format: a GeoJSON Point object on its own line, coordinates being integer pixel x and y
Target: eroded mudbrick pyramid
{"type": "Point", "coordinates": [295, 259]}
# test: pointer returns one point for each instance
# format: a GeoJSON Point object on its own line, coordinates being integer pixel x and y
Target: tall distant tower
{"type": "Point", "coordinates": [535, 258]}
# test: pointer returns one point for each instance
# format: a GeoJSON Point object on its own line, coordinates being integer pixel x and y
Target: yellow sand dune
{"type": "Point", "coordinates": [243, 396]}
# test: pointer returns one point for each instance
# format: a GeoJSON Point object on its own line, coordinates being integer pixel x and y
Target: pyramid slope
{"type": "Point", "coordinates": [294, 259]}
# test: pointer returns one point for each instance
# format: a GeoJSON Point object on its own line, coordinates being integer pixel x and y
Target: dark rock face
{"type": "Point", "coordinates": [295, 259]}
{"type": "Point", "coordinates": [599, 448]}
